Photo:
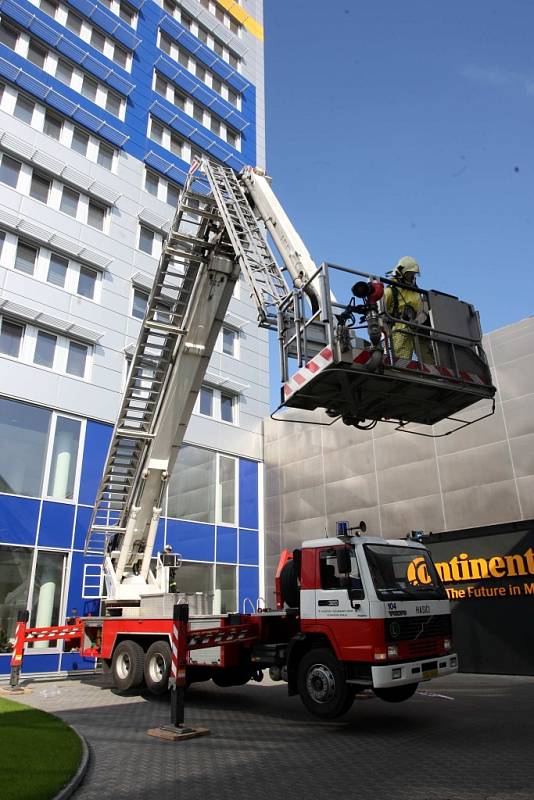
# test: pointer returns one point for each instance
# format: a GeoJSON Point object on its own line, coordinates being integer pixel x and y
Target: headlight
{"type": "Point", "coordinates": [447, 644]}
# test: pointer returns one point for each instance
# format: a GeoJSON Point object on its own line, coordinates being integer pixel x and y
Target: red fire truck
{"type": "Point", "coordinates": [352, 611]}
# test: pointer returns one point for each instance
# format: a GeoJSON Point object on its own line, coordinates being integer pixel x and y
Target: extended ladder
{"type": "Point", "coordinates": [185, 252]}
{"type": "Point", "coordinates": [212, 207]}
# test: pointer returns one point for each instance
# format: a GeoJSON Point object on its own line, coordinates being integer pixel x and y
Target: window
{"type": "Point", "coordinates": [120, 56]}
{"type": "Point", "coordinates": [146, 239]}
{"type": "Point", "coordinates": [225, 600]}
{"type": "Point", "coordinates": [229, 341]}
{"type": "Point", "coordinates": [96, 215]}
{"type": "Point", "coordinates": [40, 187]}
{"type": "Point", "coordinates": [80, 141]}
{"type": "Point", "coordinates": [64, 458]}
{"type": "Point", "coordinates": [9, 171]}
{"type": "Point", "coordinates": [25, 258]}
{"type": "Point", "coordinates": [87, 282]}
{"type": "Point", "coordinates": [36, 54]}
{"type": "Point", "coordinates": [176, 145]}
{"type": "Point", "coordinates": [77, 359]}
{"type": "Point", "coordinates": [227, 490]}
{"type": "Point", "coordinates": [198, 113]}
{"type": "Point", "coordinates": [24, 109]}
{"type": "Point", "coordinates": [52, 125]}
{"type": "Point", "coordinates": [328, 569]}
{"type": "Point", "coordinates": [98, 40]}
{"type": "Point", "coordinates": [69, 201]}
{"type": "Point", "coordinates": [215, 126]}
{"type": "Point", "coordinates": [89, 88]}
{"type": "Point", "coordinates": [15, 572]}
{"type": "Point", "coordinates": [64, 71]}
{"type": "Point", "coordinates": [191, 492]}
{"type": "Point", "coordinates": [24, 437]}
{"type": "Point", "coordinates": [47, 592]}
{"type": "Point", "coordinates": [206, 401]}
{"type": "Point", "coordinates": [173, 194]}
{"type": "Point", "coordinates": [113, 103]}
{"type": "Point", "coordinates": [231, 138]}
{"type": "Point", "coordinates": [151, 183]}
{"type": "Point", "coordinates": [156, 131]}
{"type": "Point", "coordinates": [11, 338]}
{"type": "Point", "coordinates": [45, 348]}
{"type": "Point", "coordinates": [74, 22]}
{"type": "Point", "coordinates": [8, 35]}
{"type": "Point", "coordinates": [140, 301]}
{"type": "Point", "coordinates": [49, 7]}
{"type": "Point", "coordinates": [227, 407]}
{"type": "Point", "coordinates": [126, 13]}
{"type": "Point", "coordinates": [105, 156]}
{"type": "Point", "coordinates": [57, 270]}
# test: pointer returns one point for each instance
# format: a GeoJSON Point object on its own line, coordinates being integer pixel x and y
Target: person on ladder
{"type": "Point", "coordinates": [406, 304]}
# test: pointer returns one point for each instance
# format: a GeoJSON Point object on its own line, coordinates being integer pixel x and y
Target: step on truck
{"type": "Point", "coordinates": [352, 612]}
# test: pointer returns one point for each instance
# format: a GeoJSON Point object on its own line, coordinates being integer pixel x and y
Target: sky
{"type": "Point", "coordinates": [407, 128]}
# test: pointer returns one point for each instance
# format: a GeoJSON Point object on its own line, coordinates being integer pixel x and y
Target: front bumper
{"type": "Point", "coordinates": [390, 675]}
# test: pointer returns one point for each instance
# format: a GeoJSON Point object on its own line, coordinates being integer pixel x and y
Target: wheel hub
{"type": "Point", "coordinates": [123, 666]}
{"type": "Point", "coordinates": [320, 683]}
{"type": "Point", "coordinates": [157, 667]}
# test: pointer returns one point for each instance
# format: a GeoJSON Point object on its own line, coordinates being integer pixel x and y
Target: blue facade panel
{"type": "Point", "coordinates": [55, 528]}
{"type": "Point", "coordinates": [248, 547]}
{"type": "Point", "coordinates": [83, 518]}
{"type": "Point", "coordinates": [43, 662]}
{"type": "Point", "coordinates": [227, 545]}
{"type": "Point", "coordinates": [249, 583]}
{"type": "Point", "coordinates": [248, 494]}
{"type": "Point", "coordinates": [73, 662]}
{"type": "Point", "coordinates": [193, 540]}
{"type": "Point", "coordinates": [18, 519]}
{"type": "Point", "coordinates": [97, 439]}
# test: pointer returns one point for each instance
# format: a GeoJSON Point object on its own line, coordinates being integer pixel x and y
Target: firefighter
{"type": "Point", "coordinates": [407, 304]}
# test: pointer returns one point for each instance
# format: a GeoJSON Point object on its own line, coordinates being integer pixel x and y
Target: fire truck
{"type": "Point", "coordinates": [353, 612]}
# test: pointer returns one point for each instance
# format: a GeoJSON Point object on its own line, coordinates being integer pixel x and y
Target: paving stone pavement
{"type": "Point", "coordinates": [465, 737]}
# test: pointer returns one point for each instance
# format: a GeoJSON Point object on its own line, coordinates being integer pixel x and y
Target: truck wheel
{"type": "Point", "coordinates": [397, 694]}
{"type": "Point", "coordinates": [158, 667]}
{"type": "Point", "coordinates": [127, 665]}
{"type": "Point", "coordinates": [322, 686]}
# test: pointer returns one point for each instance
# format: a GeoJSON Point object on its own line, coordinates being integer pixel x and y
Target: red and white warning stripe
{"type": "Point", "coordinates": [305, 374]}
{"type": "Point", "coordinates": [174, 655]}
{"type": "Point", "coordinates": [441, 372]}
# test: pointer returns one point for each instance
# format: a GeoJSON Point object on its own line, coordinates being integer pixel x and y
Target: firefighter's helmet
{"type": "Point", "coordinates": [406, 264]}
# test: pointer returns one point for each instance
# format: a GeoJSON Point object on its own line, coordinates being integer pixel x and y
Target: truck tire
{"type": "Point", "coordinates": [127, 665]}
{"type": "Point", "coordinates": [397, 694]}
{"type": "Point", "coordinates": [158, 667]}
{"type": "Point", "coordinates": [322, 686]}
{"type": "Point", "coordinates": [289, 585]}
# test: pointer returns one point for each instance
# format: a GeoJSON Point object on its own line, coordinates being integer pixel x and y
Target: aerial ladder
{"type": "Point", "coordinates": [338, 357]}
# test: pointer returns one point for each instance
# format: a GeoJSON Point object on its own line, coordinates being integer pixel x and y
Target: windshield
{"type": "Point", "coordinates": [403, 572]}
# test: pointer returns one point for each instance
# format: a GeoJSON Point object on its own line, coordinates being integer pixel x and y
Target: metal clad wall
{"type": "Point", "coordinates": [482, 475]}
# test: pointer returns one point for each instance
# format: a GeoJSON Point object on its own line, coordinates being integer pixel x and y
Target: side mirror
{"type": "Point", "coordinates": [343, 561]}
{"type": "Point", "coordinates": [356, 594]}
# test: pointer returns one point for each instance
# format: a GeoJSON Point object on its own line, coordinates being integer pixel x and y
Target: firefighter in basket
{"type": "Point", "coordinates": [406, 304]}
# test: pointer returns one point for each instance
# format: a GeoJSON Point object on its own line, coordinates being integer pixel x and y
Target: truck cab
{"type": "Point", "coordinates": [373, 615]}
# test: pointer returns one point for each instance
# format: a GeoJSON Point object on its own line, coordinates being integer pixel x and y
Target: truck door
{"type": "Point", "coordinates": [332, 598]}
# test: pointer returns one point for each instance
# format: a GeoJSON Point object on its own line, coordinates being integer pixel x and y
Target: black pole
{"type": "Point", "coordinates": [180, 619]}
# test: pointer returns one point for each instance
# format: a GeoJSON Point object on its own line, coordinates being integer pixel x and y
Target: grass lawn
{"type": "Point", "coordinates": [38, 753]}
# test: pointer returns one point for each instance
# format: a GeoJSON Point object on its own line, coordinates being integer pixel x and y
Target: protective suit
{"type": "Point", "coordinates": [407, 304]}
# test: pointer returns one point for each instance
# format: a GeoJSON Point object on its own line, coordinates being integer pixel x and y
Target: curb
{"type": "Point", "coordinates": [69, 789]}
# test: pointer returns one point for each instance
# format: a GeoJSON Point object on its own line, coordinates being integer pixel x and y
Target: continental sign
{"type": "Point", "coordinates": [507, 575]}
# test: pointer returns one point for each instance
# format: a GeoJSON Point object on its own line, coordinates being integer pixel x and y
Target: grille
{"type": "Point", "coordinates": [422, 647]}
{"type": "Point", "coordinates": [417, 629]}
